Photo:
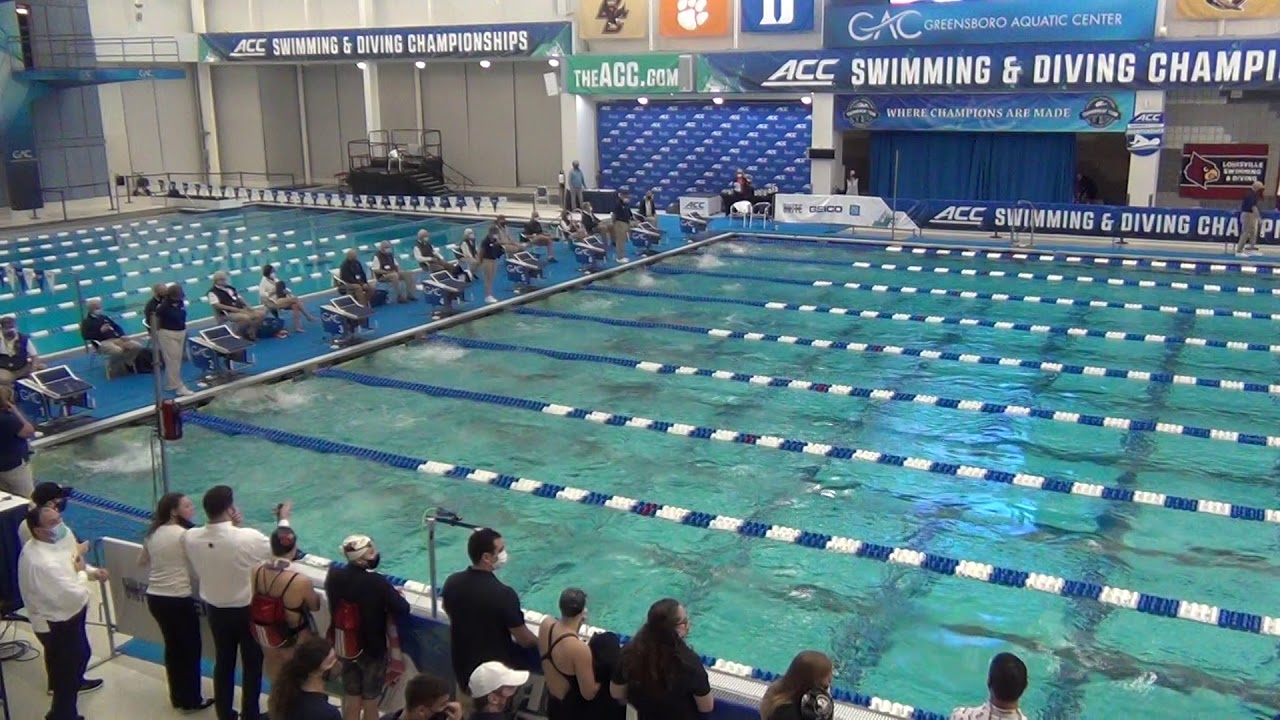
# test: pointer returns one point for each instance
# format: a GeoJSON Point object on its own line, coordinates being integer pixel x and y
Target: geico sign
{"type": "Point", "coordinates": [826, 209]}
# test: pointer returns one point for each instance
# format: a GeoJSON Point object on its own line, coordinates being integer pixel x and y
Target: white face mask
{"type": "Point", "coordinates": [502, 560]}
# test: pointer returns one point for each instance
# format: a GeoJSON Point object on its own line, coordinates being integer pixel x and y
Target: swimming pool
{"type": "Point", "coordinates": [923, 380]}
{"type": "Point", "coordinates": [120, 262]}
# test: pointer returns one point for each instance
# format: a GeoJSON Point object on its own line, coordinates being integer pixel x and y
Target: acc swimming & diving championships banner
{"type": "Point", "coordinates": [995, 112]}
{"type": "Point", "coordinates": [1054, 67]}
{"type": "Point", "coordinates": [444, 42]}
{"type": "Point", "coordinates": [856, 23]}
{"type": "Point", "coordinates": [1106, 221]}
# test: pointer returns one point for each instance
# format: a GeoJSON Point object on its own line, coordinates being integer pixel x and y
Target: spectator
{"type": "Point", "coordinates": [621, 228]}
{"type": "Point", "coordinates": [353, 281]}
{"type": "Point", "coordinates": [571, 229]}
{"type": "Point", "coordinates": [387, 269]}
{"type": "Point", "coordinates": [18, 357]}
{"type": "Point", "coordinates": [659, 674]}
{"type": "Point", "coordinates": [563, 181]}
{"type": "Point", "coordinates": [57, 603]}
{"type": "Point", "coordinates": [108, 338]}
{"type": "Point", "coordinates": [739, 190]}
{"type": "Point", "coordinates": [503, 232]}
{"type": "Point", "coordinates": [1006, 681]}
{"type": "Point", "coordinates": [1086, 189]}
{"type": "Point", "coordinates": [171, 333]}
{"type": "Point", "coordinates": [223, 556]}
{"type": "Point", "coordinates": [488, 252]}
{"type": "Point", "coordinates": [376, 603]}
{"type": "Point", "coordinates": [577, 186]}
{"type": "Point", "coordinates": [15, 453]}
{"type": "Point", "coordinates": [159, 292]}
{"type": "Point", "coordinates": [275, 295]}
{"type": "Point", "coordinates": [469, 251]}
{"type": "Point", "coordinates": [169, 598]}
{"type": "Point", "coordinates": [484, 614]}
{"type": "Point", "coordinates": [1250, 221]}
{"type": "Point", "coordinates": [493, 685]}
{"type": "Point", "coordinates": [649, 208]}
{"type": "Point", "coordinates": [142, 187]}
{"type": "Point", "coordinates": [287, 598]}
{"type": "Point", "coordinates": [299, 693]}
{"type": "Point", "coordinates": [851, 183]}
{"type": "Point", "coordinates": [426, 697]}
{"type": "Point", "coordinates": [804, 693]}
{"type": "Point", "coordinates": [589, 222]}
{"type": "Point", "coordinates": [228, 306]}
{"type": "Point", "coordinates": [606, 654]}
{"type": "Point", "coordinates": [430, 260]}
{"type": "Point", "coordinates": [534, 234]}
{"type": "Point", "coordinates": [566, 659]}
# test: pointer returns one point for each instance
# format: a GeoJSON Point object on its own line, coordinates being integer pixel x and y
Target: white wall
{"type": "Point", "coordinates": [335, 115]}
{"type": "Point", "coordinates": [399, 105]}
{"type": "Point", "coordinates": [151, 126]}
{"type": "Point", "coordinates": [114, 18]}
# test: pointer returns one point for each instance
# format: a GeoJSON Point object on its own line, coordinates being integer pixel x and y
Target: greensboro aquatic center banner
{"type": "Point", "coordinates": [1021, 112]}
{"type": "Point", "coordinates": [1052, 67]}
{"type": "Point", "coordinates": [855, 23]}
{"type": "Point", "coordinates": [1106, 221]}
{"type": "Point", "coordinates": [442, 42]}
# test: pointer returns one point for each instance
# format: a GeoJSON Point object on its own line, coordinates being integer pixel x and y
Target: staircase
{"type": "Point", "coordinates": [428, 177]}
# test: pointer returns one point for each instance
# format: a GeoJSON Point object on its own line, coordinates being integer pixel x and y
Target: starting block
{"type": "Point", "coordinates": [522, 269]}
{"type": "Point", "coordinates": [219, 353]}
{"type": "Point", "coordinates": [645, 237]}
{"type": "Point", "coordinates": [589, 252]}
{"type": "Point", "coordinates": [343, 318]}
{"type": "Point", "coordinates": [442, 289]}
{"type": "Point", "coordinates": [54, 397]}
{"type": "Point", "coordinates": [693, 223]}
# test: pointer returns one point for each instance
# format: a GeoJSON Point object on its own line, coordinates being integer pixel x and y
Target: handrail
{"type": "Point", "coordinates": [218, 178]}
{"type": "Point", "coordinates": [1015, 235]}
{"type": "Point", "coordinates": [466, 181]}
{"type": "Point", "coordinates": [79, 50]}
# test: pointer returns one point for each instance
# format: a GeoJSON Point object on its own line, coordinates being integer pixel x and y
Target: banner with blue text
{"type": "Point", "coordinates": [444, 42]}
{"type": "Point", "coordinates": [1053, 67]}
{"type": "Point", "coordinates": [995, 112]}
{"type": "Point", "coordinates": [855, 23]}
{"type": "Point", "coordinates": [1107, 221]}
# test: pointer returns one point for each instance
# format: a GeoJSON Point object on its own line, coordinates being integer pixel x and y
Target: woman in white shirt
{"type": "Point", "coordinates": [275, 295]}
{"type": "Point", "coordinates": [169, 598]}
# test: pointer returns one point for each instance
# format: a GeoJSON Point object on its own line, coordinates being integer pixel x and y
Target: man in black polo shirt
{"type": "Point", "coordinates": [535, 235]}
{"type": "Point", "coordinates": [621, 227]}
{"type": "Point", "coordinates": [484, 614]}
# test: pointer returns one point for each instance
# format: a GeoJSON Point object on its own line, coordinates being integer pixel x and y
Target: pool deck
{"type": "Point", "coordinates": [129, 399]}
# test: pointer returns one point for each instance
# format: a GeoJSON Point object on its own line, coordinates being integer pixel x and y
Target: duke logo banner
{"type": "Point", "coordinates": [1227, 9]}
{"type": "Point", "coordinates": [607, 19]}
{"type": "Point", "coordinates": [777, 16]}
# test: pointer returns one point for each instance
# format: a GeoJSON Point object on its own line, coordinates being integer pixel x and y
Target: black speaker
{"type": "Point", "coordinates": [822, 154]}
{"type": "Point", "coordinates": [25, 191]}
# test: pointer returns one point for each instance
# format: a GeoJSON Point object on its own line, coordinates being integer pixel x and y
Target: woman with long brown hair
{"type": "Point", "coordinates": [804, 693]}
{"type": "Point", "coordinates": [659, 674]}
{"type": "Point", "coordinates": [298, 691]}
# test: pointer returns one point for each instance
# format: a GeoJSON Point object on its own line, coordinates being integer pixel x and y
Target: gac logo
{"type": "Point", "coordinates": [22, 155]}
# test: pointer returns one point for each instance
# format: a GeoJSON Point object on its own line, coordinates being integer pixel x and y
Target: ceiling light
{"type": "Point", "coordinates": [485, 63]}
{"type": "Point", "coordinates": [643, 100]}
{"type": "Point", "coordinates": [362, 65]}
{"type": "Point", "coordinates": [554, 62]}
{"type": "Point", "coordinates": [718, 100]}
{"type": "Point", "coordinates": [421, 65]}
{"type": "Point", "coordinates": [807, 99]}
{"type": "Point", "coordinates": [22, 10]}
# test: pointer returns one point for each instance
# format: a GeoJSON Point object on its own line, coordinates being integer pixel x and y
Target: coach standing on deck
{"type": "Point", "coordinates": [15, 433]}
{"type": "Point", "coordinates": [223, 557]}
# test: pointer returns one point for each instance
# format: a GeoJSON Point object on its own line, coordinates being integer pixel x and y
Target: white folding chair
{"type": "Point", "coordinates": [741, 209]}
{"type": "Point", "coordinates": [761, 210]}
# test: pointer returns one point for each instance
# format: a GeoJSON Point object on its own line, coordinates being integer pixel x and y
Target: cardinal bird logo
{"type": "Point", "coordinates": [1201, 171]}
{"type": "Point", "coordinates": [1237, 5]}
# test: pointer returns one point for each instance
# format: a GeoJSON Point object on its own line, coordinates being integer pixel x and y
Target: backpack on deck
{"type": "Point", "coordinates": [268, 616]}
{"type": "Point", "coordinates": [344, 631]}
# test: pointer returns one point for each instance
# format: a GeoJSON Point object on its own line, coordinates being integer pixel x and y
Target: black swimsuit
{"type": "Point", "coordinates": [573, 706]}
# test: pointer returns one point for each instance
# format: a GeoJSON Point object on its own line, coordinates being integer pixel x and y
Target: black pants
{"type": "Point", "coordinates": [66, 647]}
{"type": "Point", "coordinates": [230, 628]}
{"type": "Point", "coordinates": [180, 625]}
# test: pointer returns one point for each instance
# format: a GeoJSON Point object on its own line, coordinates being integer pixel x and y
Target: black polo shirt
{"type": "Point", "coordinates": [482, 611]}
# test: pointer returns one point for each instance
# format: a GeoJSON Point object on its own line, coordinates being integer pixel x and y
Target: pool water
{"type": "Point", "coordinates": [896, 632]}
{"type": "Point", "coordinates": [119, 263]}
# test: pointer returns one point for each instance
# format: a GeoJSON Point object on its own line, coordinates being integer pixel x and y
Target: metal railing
{"type": "Point", "coordinates": [1023, 234]}
{"type": "Point", "coordinates": [450, 173]}
{"type": "Point", "coordinates": [159, 182]}
{"type": "Point", "coordinates": [87, 51]}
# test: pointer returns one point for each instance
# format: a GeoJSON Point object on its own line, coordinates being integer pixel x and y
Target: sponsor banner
{"type": "Point", "coordinates": [705, 205]}
{"type": "Point", "coordinates": [851, 210]}
{"type": "Point", "coordinates": [1106, 221]}
{"type": "Point", "coordinates": [1222, 172]}
{"type": "Point", "coordinates": [648, 74]}
{"type": "Point", "coordinates": [1061, 67]}
{"type": "Point", "coordinates": [443, 42]}
{"type": "Point", "coordinates": [855, 23]}
{"type": "Point", "coordinates": [606, 19]}
{"type": "Point", "coordinates": [694, 18]}
{"type": "Point", "coordinates": [1144, 134]}
{"type": "Point", "coordinates": [1226, 9]}
{"type": "Point", "coordinates": [777, 16]}
{"type": "Point", "coordinates": [1004, 112]}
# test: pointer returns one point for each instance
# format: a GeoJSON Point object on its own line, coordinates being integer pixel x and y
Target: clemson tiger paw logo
{"type": "Point", "coordinates": [692, 14]}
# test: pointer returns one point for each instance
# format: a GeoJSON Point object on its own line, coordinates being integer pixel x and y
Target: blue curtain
{"type": "Point", "coordinates": [975, 166]}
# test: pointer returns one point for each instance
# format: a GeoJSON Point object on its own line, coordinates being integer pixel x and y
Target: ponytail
{"type": "Point", "coordinates": [308, 657]}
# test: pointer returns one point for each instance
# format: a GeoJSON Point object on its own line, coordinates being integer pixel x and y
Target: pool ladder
{"type": "Point", "coordinates": [1023, 234]}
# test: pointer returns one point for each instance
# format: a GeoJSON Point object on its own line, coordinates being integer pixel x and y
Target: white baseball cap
{"type": "Point", "coordinates": [492, 676]}
{"type": "Point", "coordinates": [356, 547]}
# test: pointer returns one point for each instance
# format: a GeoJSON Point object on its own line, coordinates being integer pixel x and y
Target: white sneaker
{"type": "Point", "coordinates": [490, 299]}
{"type": "Point", "coordinates": [623, 260]}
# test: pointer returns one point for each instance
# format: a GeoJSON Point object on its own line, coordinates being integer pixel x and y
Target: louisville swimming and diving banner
{"type": "Point", "coordinates": [1222, 171]}
{"type": "Point", "coordinates": [1051, 67]}
{"type": "Point", "coordinates": [992, 112]}
{"type": "Point", "coordinates": [1107, 221]}
{"type": "Point", "coordinates": [857, 23]}
{"type": "Point", "coordinates": [445, 42]}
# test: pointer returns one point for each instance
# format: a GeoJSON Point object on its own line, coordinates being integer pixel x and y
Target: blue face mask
{"type": "Point", "coordinates": [60, 532]}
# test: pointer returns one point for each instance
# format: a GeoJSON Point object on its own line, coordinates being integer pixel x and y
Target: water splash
{"type": "Point", "coordinates": [130, 458]}
{"type": "Point", "coordinates": [707, 262]}
{"type": "Point", "coordinates": [270, 398]}
{"type": "Point", "coordinates": [646, 280]}
{"type": "Point", "coordinates": [430, 354]}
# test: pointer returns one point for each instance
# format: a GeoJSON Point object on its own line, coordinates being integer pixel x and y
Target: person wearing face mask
{"type": "Point", "coordinates": [354, 281]}
{"type": "Point", "coordinates": [566, 659]}
{"type": "Point", "coordinates": [426, 697]}
{"type": "Point", "coordinates": [275, 295]}
{"type": "Point", "coordinates": [484, 614]}
{"type": "Point", "coordinates": [377, 603]}
{"type": "Point", "coordinates": [56, 603]}
{"type": "Point", "coordinates": [298, 693]}
{"type": "Point", "coordinates": [16, 433]}
{"type": "Point", "coordinates": [577, 186]}
{"type": "Point", "coordinates": [387, 269]}
{"type": "Point", "coordinates": [493, 685]}
{"type": "Point", "coordinates": [170, 601]}
{"type": "Point", "coordinates": [487, 252]}
{"type": "Point", "coordinates": [649, 208]}
{"type": "Point", "coordinates": [170, 328]}
{"type": "Point", "coordinates": [228, 306]}
{"type": "Point", "coordinates": [660, 675]}
{"type": "Point", "coordinates": [803, 693]}
{"type": "Point", "coordinates": [108, 338]}
{"type": "Point", "coordinates": [18, 357]}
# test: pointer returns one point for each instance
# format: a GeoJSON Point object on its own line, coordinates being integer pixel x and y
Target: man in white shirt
{"type": "Point", "coordinates": [57, 601]}
{"type": "Point", "coordinates": [223, 556]}
{"type": "Point", "coordinates": [1006, 681]}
